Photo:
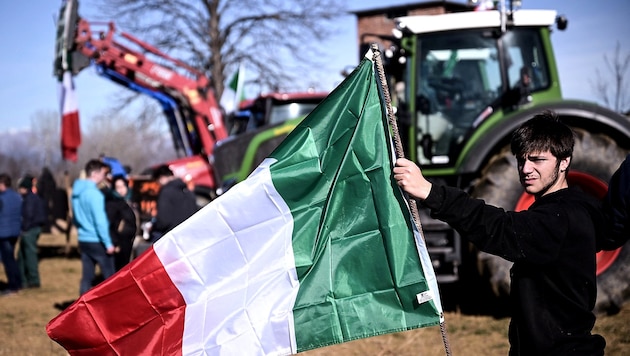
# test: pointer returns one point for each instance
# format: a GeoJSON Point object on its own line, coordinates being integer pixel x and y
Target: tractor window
{"type": "Point", "coordinates": [525, 60]}
{"type": "Point", "coordinates": [458, 77]}
{"type": "Point", "coordinates": [284, 112]}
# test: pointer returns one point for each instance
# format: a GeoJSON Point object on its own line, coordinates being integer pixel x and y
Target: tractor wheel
{"type": "Point", "coordinates": [595, 158]}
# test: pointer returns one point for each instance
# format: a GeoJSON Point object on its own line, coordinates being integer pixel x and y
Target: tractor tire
{"type": "Point", "coordinates": [594, 154]}
{"type": "Point", "coordinates": [613, 285]}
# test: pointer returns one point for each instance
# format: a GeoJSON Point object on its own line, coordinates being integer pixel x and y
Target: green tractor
{"type": "Point", "coordinates": [461, 83]}
{"type": "Point", "coordinates": [256, 129]}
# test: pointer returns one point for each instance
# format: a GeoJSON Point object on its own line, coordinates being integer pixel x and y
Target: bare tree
{"type": "Point", "coordinates": [44, 137]}
{"type": "Point", "coordinates": [613, 88]}
{"type": "Point", "coordinates": [137, 143]}
{"type": "Point", "coordinates": [275, 39]}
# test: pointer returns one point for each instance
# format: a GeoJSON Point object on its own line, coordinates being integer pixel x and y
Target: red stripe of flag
{"type": "Point", "coordinates": [70, 127]}
{"type": "Point", "coordinates": [141, 303]}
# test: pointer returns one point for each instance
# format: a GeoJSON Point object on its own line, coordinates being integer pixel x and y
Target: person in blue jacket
{"type": "Point", "coordinates": [10, 225]}
{"type": "Point", "coordinates": [88, 208]}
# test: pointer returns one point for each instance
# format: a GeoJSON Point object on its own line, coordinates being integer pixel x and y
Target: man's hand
{"type": "Point", "coordinates": [110, 250]}
{"type": "Point", "coordinates": [410, 179]}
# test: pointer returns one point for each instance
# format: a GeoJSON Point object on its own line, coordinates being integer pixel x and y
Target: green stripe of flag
{"type": "Point", "coordinates": [356, 257]}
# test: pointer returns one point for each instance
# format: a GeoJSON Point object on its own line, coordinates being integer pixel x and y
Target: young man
{"type": "Point", "coordinates": [33, 218]}
{"type": "Point", "coordinates": [552, 244]}
{"type": "Point", "coordinates": [88, 207]}
{"type": "Point", "coordinates": [10, 224]}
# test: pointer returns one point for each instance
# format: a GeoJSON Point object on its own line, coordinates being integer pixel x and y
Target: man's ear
{"type": "Point", "coordinates": [564, 164]}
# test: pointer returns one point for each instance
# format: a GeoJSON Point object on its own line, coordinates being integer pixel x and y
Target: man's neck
{"type": "Point", "coordinates": [559, 184]}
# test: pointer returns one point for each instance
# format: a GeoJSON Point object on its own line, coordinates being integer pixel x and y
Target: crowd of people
{"type": "Point", "coordinates": [108, 222]}
{"type": "Point", "coordinates": [21, 217]}
{"type": "Point", "coordinates": [106, 219]}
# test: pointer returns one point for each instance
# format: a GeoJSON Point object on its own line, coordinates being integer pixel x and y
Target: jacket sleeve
{"type": "Point", "coordinates": [130, 227]}
{"type": "Point", "coordinates": [162, 221]}
{"type": "Point", "coordinates": [28, 212]}
{"type": "Point", "coordinates": [535, 235]}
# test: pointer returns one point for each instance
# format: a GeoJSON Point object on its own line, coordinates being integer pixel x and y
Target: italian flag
{"type": "Point", "coordinates": [70, 127]}
{"type": "Point", "coordinates": [315, 247]}
{"type": "Point", "coordinates": [234, 93]}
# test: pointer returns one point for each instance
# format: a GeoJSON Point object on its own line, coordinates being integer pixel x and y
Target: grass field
{"type": "Point", "coordinates": [23, 318]}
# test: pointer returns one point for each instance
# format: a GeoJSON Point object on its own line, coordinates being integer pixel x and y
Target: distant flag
{"type": "Point", "coordinates": [315, 247]}
{"type": "Point", "coordinates": [63, 69]}
{"type": "Point", "coordinates": [234, 93]}
{"type": "Point", "coordinates": [70, 127]}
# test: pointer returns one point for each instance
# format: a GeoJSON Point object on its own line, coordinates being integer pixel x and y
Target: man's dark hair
{"type": "Point", "coordinates": [94, 165]}
{"type": "Point", "coordinates": [5, 179]}
{"type": "Point", "coordinates": [541, 133]}
{"type": "Point", "coordinates": [162, 171]}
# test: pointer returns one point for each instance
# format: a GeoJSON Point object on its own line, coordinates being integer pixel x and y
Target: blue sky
{"type": "Point", "coordinates": [28, 32]}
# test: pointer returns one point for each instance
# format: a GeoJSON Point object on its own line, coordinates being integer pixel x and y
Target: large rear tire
{"type": "Point", "coordinates": [595, 158]}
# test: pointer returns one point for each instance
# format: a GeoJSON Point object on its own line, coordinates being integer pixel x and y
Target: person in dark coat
{"type": "Point", "coordinates": [46, 189]}
{"type": "Point", "coordinates": [34, 217]}
{"type": "Point", "coordinates": [123, 224]}
{"type": "Point", "coordinates": [10, 226]}
{"type": "Point", "coordinates": [552, 244]}
{"type": "Point", "coordinates": [175, 203]}
{"type": "Point", "coordinates": [617, 207]}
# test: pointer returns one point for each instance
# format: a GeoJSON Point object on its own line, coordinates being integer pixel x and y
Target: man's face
{"type": "Point", "coordinates": [100, 175]}
{"type": "Point", "coordinates": [541, 173]}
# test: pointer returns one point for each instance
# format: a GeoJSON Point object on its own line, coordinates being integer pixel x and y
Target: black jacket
{"type": "Point", "coordinates": [617, 208]}
{"type": "Point", "coordinates": [553, 246]}
{"type": "Point", "coordinates": [122, 220]}
{"type": "Point", "coordinates": [175, 203]}
{"type": "Point", "coordinates": [33, 211]}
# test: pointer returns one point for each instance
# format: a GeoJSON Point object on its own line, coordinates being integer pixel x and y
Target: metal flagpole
{"type": "Point", "coordinates": [398, 148]}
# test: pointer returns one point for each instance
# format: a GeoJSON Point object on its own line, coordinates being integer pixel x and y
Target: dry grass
{"type": "Point", "coordinates": [23, 319]}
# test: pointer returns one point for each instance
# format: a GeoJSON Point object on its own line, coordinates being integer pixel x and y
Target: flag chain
{"type": "Point", "coordinates": [398, 149]}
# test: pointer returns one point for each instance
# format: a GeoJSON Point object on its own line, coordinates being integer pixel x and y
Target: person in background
{"type": "Point", "coordinates": [33, 218]}
{"type": "Point", "coordinates": [175, 202]}
{"type": "Point", "coordinates": [617, 208]}
{"type": "Point", "coordinates": [88, 208]}
{"type": "Point", "coordinates": [552, 244]}
{"type": "Point", "coordinates": [10, 225]}
{"type": "Point", "coordinates": [46, 189]}
{"type": "Point", "coordinates": [123, 224]}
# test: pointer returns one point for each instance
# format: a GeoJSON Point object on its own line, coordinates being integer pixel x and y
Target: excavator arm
{"type": "Point", "coordinates": [184, 93]}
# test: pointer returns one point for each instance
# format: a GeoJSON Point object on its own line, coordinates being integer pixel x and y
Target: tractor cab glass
{"type": "Point", "coordinates": [267, 111]}
{"type": "Point", "coordinates": [283, 112]}
{"type": "Point", "coordinates": [462, 76]}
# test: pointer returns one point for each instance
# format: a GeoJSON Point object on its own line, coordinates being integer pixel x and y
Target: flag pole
{"type": "Point", "coordinates": [398, 149]}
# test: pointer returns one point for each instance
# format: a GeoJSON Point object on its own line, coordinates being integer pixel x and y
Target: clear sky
{"type": "Point", "coordinates": [27, 35]}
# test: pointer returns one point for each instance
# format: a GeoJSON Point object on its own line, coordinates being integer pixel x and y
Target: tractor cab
{"type": "Point", "coordinates": [463, 68]}
{"type": "Point", "coordinates": [273, 109]}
